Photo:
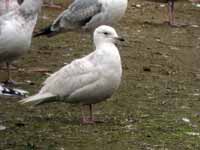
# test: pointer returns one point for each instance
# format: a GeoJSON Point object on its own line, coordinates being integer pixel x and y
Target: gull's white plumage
{"type": "Point", "coordinates": [86, 15]}
{"type": "Point", "coordinates": [12, 5]}
{"type": "Point", "coordinates": [16, 28]}
{"type": "Point", "coordinates": [88, 80]}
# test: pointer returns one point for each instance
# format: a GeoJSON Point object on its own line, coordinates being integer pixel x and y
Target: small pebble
{"type": "Point", "coordinates": [194, 26]}
{"type": "Point", "coordinates": [186, 120]}
{"type": "Point", "coordinates": [2, 127]}
{"type": "Point", "coordinates": [28, 81]}
{"type": "Point", "coordinates": [196, 94]}
{"type": "Point", "coordinates": [198, 5]}
{"type": "Point", "coordinates": [162, 5]}
{"type": "Point", "coordinates": [158, 40]}
{"type": "Point", "coordinates": [138, 6]}
{"type": "Point", "coordinates": [193, 133]}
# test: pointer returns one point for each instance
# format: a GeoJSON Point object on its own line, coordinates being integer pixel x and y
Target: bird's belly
{"type": "Point", "coordinates": [97, 92]}
{"type": "Point", "coordinates": [12, 46]}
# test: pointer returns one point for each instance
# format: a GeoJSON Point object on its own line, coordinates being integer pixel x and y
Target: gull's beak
{"type": "Point", "coordinates": [119, 39]}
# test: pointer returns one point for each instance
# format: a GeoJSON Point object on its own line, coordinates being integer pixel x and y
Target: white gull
{"type": "Point", "coordinates": [87, 80]}
{"type": "Point", "coordinates": [86, 15]}
{"type": "Point", "coordinates": [16, 28]}
{"type": "Point", "coordinates": [8, 5]}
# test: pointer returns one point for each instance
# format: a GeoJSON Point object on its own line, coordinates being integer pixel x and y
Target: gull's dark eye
{"type": "Point", "coordinates": [106, 33]}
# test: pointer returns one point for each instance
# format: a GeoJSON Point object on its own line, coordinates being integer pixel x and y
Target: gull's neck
{"type": "Point", "coordinates": [30, 7]}
{"type": "Point", "coordinates": [107, 54]}
{"type": "Point", "coordinates": [105, 45]}
{"type": "Point", "coordinates": [107, 49]}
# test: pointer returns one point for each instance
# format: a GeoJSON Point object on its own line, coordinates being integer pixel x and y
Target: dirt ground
{"type": "Point", "coordinates": [157, 106]}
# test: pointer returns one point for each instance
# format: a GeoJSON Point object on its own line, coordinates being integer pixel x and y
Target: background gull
{"type": "Point", "coordinates": [88, 80]}
{"type": "Point", "coordinates": [171, 10]}
{"type": "Point", "coordinates": [8, 5]}
{"type": "Point", "coordinates": [16, 29]}
{"type": "Point", "coordinates": [86, 15]}
{"type": "Point", "coordinates": [170, 5]}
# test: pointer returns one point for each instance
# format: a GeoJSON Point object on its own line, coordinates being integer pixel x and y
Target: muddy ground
{"type": "Point", "coordinates": [157, 106]}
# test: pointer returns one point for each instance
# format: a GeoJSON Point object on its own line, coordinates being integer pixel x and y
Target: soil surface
{"type": "Point", "coordinates": [157, 106]}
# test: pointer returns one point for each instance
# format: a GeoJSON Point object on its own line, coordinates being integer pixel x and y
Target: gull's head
{"type": "Point", "coordinates": [105, 34]}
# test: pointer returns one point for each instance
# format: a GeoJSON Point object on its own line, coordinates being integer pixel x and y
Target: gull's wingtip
{"type": "Point", "coordinates": [22, 102]}
{"type": "Point", "coordinates": [44, 32]}
{"type": "Point", "coordinates": [37, 99]}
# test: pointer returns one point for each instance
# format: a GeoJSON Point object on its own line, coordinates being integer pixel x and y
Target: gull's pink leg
{"type": "Point", "coordinates": [9, 78]}
{"type": "Point", "coordinates": [52, 5]}
{"type": "Point", "coordinates": [171, 12]}
{"type": "Point", "coordinates": [91, 113]}
{"type": "Point", "coordinates": [7, 4]}
{"type": "Point", "coordinates": [90, 119]}
{"type": "Point", "coordinates": [8, 71]}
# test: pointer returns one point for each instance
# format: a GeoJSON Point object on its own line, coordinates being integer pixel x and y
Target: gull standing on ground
{"type": "Point", "coordinates": [86, 15]}
{"type": "Point", "coordinates": [171, 11]}
{"type": "Point", "coordinates": [16, 28]}
{"type": "Point", "coordinates": [88, 80]}
{"type": "Point", "coordinates": [5, 7]}
{"type": "Point", "coordinates": [170, 5]}
{"type": "Point", "coordinates": [8, 5]}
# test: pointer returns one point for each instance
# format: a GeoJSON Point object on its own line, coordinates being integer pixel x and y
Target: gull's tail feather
{"type": "Point", "coordinates": [45, 32]}
{"type": "Point", "coordinates": [38, 99]}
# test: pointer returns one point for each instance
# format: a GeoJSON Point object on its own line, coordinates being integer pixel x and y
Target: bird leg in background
{"type": "Point", "coordinates": [171, 12]}
{"type": "Point", "coordinates": [9, 78]}
{"type": "Point", "coordinates": [7, 4]}
{"type": "Point", "coordinates": [8, 71]}
{"type": "Point", "coordinates": [51, 5]}
{"type": "Point", "coordinates": [86, 119]}
{"type": "Point", "coordinates": [195, 1]}
{"type": "Point", "coordinates": [172, 16]}
{"type": "Point", "coordinates": [91, 112]}
{"type": "Point", "coordinates": [43, 16]}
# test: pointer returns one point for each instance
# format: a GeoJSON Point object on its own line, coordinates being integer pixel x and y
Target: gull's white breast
{"type": "Point", "coordinates": [13, 5]}
{"type": "Point", "coordinates": [14, 39]}
{"type": "Point", "coordinates": [108, 73]}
